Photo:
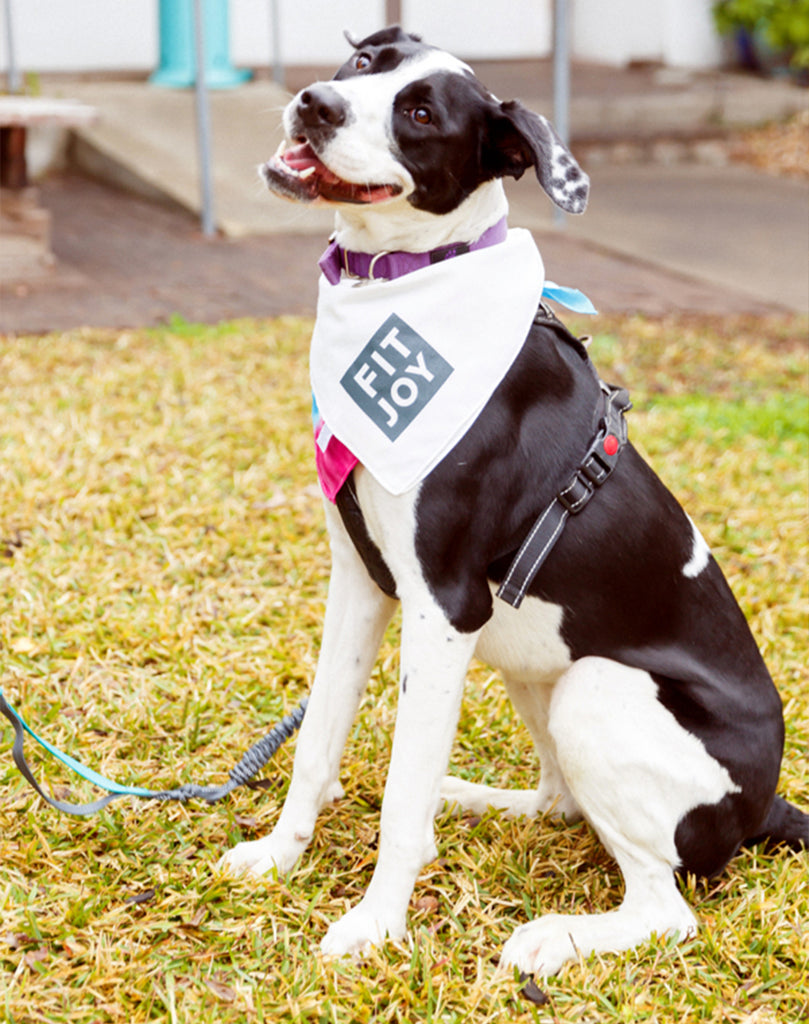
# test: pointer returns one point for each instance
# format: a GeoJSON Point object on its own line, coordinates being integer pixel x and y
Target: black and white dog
{"type": "Point", "coordinates": [651, 710]}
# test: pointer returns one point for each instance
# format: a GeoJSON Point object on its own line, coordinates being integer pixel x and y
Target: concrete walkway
{"type": "Point", "coordinates": [728, 226]}
{"type": "Point", "coordinates": [685, 231]}
{"type": "Point", "coordinates": [124, 261]}
{"type": "Point", "coordinates": [145, 139]}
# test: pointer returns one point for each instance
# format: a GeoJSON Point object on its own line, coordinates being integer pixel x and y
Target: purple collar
{"type": "Point", "coordinates": [389, 265]}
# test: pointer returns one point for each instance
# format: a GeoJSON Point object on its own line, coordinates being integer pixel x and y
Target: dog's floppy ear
{"type": "Point", "coordinates": [519, 139]}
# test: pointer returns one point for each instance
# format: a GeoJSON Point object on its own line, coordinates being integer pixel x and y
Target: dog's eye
{"type": "Point", "coordinates": [421, 115]}
{"type": "Point", "coordinates": [362, 61]}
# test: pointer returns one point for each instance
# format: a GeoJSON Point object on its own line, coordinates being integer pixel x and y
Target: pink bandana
{"type": "Point", "coordinates": [334, 465]}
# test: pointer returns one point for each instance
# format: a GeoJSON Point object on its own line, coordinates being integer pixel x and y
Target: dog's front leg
{"type": "Point", "coordinates": [434, 661]}
{"type": "Point", "coordinates": [357, 613]}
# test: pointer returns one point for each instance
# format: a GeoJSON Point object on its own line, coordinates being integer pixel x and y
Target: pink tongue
{"type": "Point", "coordinates": [300, 157]}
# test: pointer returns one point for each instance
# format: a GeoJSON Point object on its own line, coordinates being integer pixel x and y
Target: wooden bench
{"type": "Point", "coordinates": [25, 238]}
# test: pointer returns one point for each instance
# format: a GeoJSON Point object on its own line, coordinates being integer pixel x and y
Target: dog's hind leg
{"type": "Point", "coordinates": [635, 772]}
{"type": "Point", "coordinates": [357, 613]}
{"type": "Point", "coordinates": [552, 796]}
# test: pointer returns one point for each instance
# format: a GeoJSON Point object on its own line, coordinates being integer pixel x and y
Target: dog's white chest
{"type": "Point", "coordinates": [525, 643]}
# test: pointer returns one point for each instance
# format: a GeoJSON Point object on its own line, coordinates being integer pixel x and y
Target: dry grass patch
{"type": "Point", "coordinates": [780, 148]}
{"type": "Point", "coordinates": [163, 569]}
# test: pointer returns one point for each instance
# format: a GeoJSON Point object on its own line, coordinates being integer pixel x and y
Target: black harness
{"type": "Point", "coordinates": [592, 471]}
{"type": "Point", "coordinates": [595, 467]}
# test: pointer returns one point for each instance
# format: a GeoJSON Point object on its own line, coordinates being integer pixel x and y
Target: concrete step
{"type": "Point", "coordinates": [145, 137]}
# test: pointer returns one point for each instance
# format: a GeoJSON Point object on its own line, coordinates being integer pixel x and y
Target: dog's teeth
{"type": "Point", "coordinates": [307, 172]}
{"type": "Point", "coordinates": [280, 151]}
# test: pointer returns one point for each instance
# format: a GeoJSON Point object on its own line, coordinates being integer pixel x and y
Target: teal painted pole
{"type": "Point", "coordinates": [177, 67]}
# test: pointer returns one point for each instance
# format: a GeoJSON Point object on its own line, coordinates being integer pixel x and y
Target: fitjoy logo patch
{"type": "Point", "coordinates": [395, 375]}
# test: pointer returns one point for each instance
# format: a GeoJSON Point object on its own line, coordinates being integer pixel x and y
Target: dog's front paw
{"type": "Point", "coordinates": [541, 947]}
{"type": "Point", "coordinates": [359, 930]}
{"type": "Point", "coordinates": [261, 856]}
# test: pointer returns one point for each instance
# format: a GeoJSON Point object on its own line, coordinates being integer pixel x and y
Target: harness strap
{"type": "Point", "coordinates": [596, 466]}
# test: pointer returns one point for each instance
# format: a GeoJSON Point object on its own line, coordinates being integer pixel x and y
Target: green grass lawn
{"type": "Point", "coordinates": [163, 570]}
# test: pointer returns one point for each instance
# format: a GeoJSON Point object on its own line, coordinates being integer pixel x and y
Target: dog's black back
{"type": "Point", "coordinates": [617, 576]}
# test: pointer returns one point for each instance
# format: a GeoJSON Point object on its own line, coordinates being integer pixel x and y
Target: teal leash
{"type": "Point", "coordinates": [251, 763]}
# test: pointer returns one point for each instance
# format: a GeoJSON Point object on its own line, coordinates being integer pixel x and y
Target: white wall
{"type": "Point", "coordinates": [478, 29]}
{"type": "Point", "coordinates": [77, 35]}
{"type": "Point", "coordinates": [311, 30]}
{"type": "Point", "coordinates": [109, 35]}
{"type": "Point", "coordinates": [676, 32]}
{"type": "Point", "coordinates": [689, 37]}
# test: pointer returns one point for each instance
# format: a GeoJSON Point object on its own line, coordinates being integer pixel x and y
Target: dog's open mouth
{"type": "Point", "coordinates": [298, 173]}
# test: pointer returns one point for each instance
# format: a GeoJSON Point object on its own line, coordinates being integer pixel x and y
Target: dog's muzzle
{"type": "Point", "coordinates": [297, 170]}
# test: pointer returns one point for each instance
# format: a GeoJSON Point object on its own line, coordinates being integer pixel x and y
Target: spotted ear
{"type": "Point", "coordinates": [523, 139]}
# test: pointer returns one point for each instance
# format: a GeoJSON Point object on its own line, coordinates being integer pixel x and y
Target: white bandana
{"type": "Point", "coordinates": [401, 369]}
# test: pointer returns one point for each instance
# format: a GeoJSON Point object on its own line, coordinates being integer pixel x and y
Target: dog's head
{"type": "Point", "coordinates": [402, 121]}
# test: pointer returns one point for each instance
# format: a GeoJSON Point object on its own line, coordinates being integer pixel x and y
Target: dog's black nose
{"type": "Point", "coordinates": [320, 105]}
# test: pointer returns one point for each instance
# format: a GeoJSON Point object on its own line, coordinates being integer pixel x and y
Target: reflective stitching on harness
{"type": "Point", "coordinates": [525, 544]}
{"type": "Point", "coordinates": [594, 469]}
{"type": "Point", "coordinates": [537, 561]}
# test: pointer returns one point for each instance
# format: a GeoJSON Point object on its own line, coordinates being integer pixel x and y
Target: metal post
{"type": "Point", "coordinates": [203, 125]}
{"type": "Point", "coordinates": [14, 82]}
{"type": "Point", "coordinates": [561, 83]}
{"type": "Point", "coordinates": [275, 44]}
